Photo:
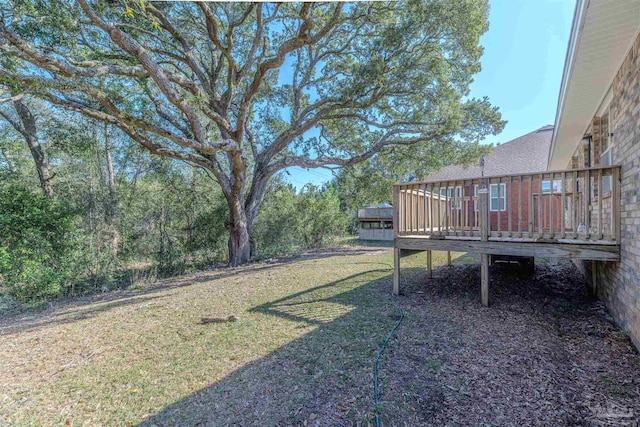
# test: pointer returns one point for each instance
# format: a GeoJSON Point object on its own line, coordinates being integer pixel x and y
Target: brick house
{"type": "Point", "coordinates": [598, 124]}
{"type": "Point", "coordinates": [526, 154]}
{"type": "Point", "coordinates": [581, 203]}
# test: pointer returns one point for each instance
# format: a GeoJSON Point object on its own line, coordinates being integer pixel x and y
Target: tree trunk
{"type": "Point", "coordinates": [254, 200]}
{"type": "Point", "coordinates": [239, 238]}
{"type": "Point", "coordinates": [30, 134]}
{"type": "Point", "coordinates": [239, 245]}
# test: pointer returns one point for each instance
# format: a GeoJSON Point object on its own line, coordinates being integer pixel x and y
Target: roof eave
{"type": "Point", "coordinates": [604, 30]}
{"type": "Point", "coordinates": [568, 63]}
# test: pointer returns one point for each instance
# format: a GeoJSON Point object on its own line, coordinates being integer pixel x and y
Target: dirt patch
{"type": "Point", "coordinates": [544, 353]}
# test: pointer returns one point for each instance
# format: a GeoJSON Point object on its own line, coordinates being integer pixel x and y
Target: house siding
{"type": "Point", "coordinates": [618, 283]}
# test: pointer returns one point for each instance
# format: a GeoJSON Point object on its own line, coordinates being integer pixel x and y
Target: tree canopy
{"type": "Point", "coordinates": [246, 90]}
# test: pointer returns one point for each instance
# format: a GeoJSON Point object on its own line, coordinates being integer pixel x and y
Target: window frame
{"type": "Point", "coordinates": [456, 197]}
{"type": "Point", "coordinates": [555, 188]}
{"type": "Point", "coordinates": [503, 195]}
{"type": "Point", "coordinates": [608, 179]}
{"type": "Point", "coordinates": [475, 199]}
{"type": "Point", "coordinates": [453, 195]}
{"type": "Point", "coordinates": [499, 195]}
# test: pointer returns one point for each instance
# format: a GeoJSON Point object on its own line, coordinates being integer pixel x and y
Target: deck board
{"type": "Point", "coordinates": [563, 248]}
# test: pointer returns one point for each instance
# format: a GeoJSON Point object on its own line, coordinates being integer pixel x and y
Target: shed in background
{"type": "Point", "coordinates": [376, 222]}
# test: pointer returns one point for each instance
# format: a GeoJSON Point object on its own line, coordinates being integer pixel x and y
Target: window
{"type": "Point", "coordinates": [496, 198]}
{"type": "Point", "coordinates": [457, 204]}
{"type": "Point", "coordinates": [453, 193]}
{"type": "Point", "coordinates": [475, 194]}
{"type": "Point", "coordinates": [493, 197]}
{"type": "Point", "coordinates": [368, 225]}
{"type": "Point", "coordinates": [557, 186]}
{"type": "Point", "coordinates": [605, 160]}
{"type": "Point", "coordinates": [606, 154]}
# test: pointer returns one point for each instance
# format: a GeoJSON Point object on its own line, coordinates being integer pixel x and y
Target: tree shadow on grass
{"type": "Point", "coordinates": [447, 342]}
{"type": "Point", "coordinates": [321, 378]}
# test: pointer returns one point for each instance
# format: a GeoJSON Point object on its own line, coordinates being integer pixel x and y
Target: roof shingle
{"type": "Point", "coordinates": [526, 154]}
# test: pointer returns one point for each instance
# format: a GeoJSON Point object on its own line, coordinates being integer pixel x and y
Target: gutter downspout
{"type": "Point", "coordinates": [588, 213]}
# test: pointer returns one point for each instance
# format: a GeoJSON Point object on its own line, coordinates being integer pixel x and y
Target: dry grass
{"type": "Point", "coordinates": [301, 352]}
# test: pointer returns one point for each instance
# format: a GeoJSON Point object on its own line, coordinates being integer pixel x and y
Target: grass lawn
{"type": "Point", "coordinates": [301, 352]}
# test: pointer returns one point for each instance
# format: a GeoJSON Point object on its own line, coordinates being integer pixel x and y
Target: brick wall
{"type": "Point", "coordinates": [520, 190]}
{"type": "Point", "coordinates": [541, 211]}
{"type": "Point", "coordinates": [619, 282]}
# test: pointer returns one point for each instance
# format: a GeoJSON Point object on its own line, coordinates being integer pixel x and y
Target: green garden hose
{"type": "Point", "coordinates": [375, 365]}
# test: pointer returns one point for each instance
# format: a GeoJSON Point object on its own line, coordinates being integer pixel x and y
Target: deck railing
{"type": "Point", "coordinates": [577, 204]}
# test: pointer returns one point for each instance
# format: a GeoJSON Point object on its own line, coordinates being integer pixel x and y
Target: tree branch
{"type": "Point", "coordinates": [13, 123]}
{"type": "Point", "coordinates": [129, 45]}
{"type": "Point", "coordinates": [323, 161]}
{"type": "Point", "coordinates": [11, 98]}
{"type": "Point", "coordinates": [42, 86]}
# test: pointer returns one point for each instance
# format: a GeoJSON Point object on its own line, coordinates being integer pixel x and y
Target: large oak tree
{"type": "Point", "coordinates": [247, 90]}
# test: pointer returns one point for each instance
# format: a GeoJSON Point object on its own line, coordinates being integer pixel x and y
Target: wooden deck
{"type": "Point", "coordinates": [570, 214]}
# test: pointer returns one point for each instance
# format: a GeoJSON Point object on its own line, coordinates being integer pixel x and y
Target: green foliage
{"type": "Point", "coordinates": [319, 215]}
{"type": "Point", "coordinates": [276, 228]}
{"type": "Point", "coordinates": [365, 185]}
{"type": "Point", "coordinates": [39, 250]}
{"type": "Point", "coordinates": [386, 85]}
{"type": "Point", "coordinates": [290, 221]}
{"type": "Point", "coordinates": [173, 216]}
{"type": "Point", "coordinates": [169, 217]}
{"type": "Point", "coordinates": [388, 77]}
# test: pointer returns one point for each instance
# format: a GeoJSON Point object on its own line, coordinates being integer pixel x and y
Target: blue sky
{"type": "Point", "coordinates": [524, 53]}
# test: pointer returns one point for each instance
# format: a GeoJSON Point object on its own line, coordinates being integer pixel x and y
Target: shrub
{"type": "Point", "coordinates": [289, 221]}
{"type": "Point", "coordinates": [276, 229]}
{"type": "Point", "coordinates": [39, 247]}
{"type": "Point", "coordinates": [320, 216]}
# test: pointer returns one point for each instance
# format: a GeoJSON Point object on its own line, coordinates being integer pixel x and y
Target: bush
{"type": "Point", "coordinates": [320, 216]}
{"type": "Point", "coordinates": [276, 228]}
{"type": "Point", "coordinates": [290, 221]}
{"type": "Point", "coordinates": [39, 248]}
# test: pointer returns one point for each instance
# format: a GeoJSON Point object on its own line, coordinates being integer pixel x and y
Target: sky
{"type": "Point", "coordinates": [524, 52]}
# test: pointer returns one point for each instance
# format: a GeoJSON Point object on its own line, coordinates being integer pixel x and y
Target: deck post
{"type": "Point", "coordinates": [484, 210]}
{"type": "Point", "coordinates": [484, 233]}
{"type": "Point", "coordinates": [484, 279]}
{"type": "Point", "coordinates": [396, 212]}
{"type": "Point", "coordinates": [449, 258]}
{"type": "Point", "coordinates": [396, 271]}
{"type": "Point", "coordinates": [429, 265]}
